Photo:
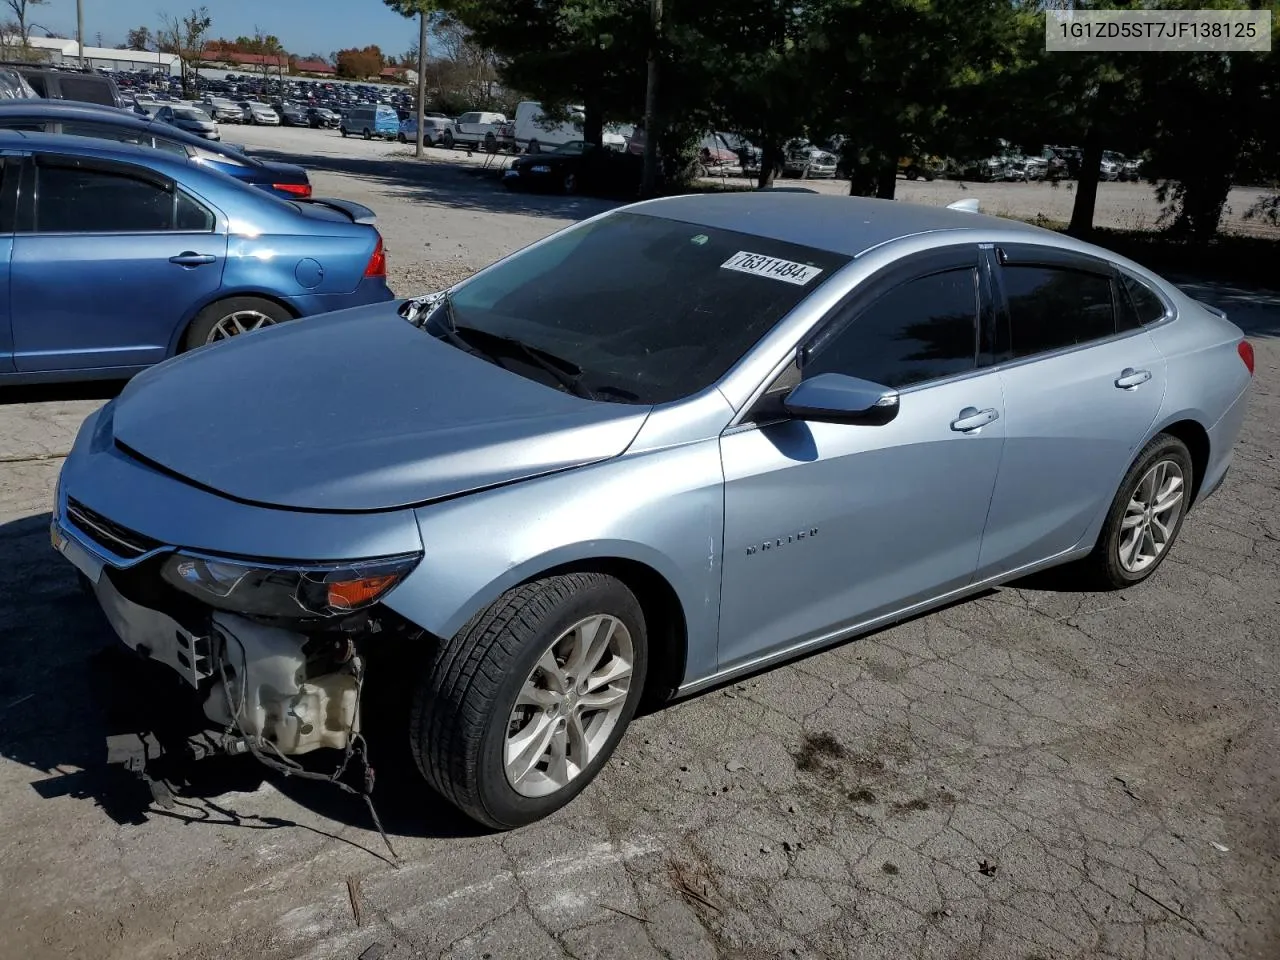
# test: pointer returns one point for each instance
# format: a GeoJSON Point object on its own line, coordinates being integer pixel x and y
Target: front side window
{"type": "Point", "coordinates": [649, 310]}
{"type": "Point", "coordinates": [1051, 308]}
{"type": "Point", "coordinates": [925, 329]}
{"type": "Point", "coordinates": [78, 199]}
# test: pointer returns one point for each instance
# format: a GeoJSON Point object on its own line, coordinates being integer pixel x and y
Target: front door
{"type": "Point", "coordinates": [108, 260]}
{"type": "Point", "coordinates": [1082, 388]}
{"type": "Point", "coordinates": [829, 525]}
{"type": "Point", "coordinates": [10, 173]}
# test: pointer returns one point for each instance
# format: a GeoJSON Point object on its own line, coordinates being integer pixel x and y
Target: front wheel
{"type": "Point", "coordinates": [343, 131]}
{"type": "Point", "coordinates": [402, 138]}
{"type": "Point", "coordinates": [520, 710]}
{"type": "Point", "coordinates": [447, 140]}
{"type": "Point", "coordinates": [1145, 516]}
{"type": "Point", "coordinates": [367, 134]}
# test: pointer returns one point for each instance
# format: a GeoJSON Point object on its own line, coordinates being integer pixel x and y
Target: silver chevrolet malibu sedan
{"type": "Point", "coordinates": [668, 446]}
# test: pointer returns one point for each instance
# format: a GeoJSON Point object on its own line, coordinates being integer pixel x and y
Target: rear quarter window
{"type": "Point", "coordinates": [87, 89]}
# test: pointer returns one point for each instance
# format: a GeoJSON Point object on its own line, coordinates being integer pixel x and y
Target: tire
{"type": "Point", "coordinates": [912, 173]}
{"type": "Point", "coordinates": [343, 131]}
{"type": "Point", "coordinates": [569, 186]}
{"type": "Point", "coordinates": [447, 139]}
{"type": "Point", "coordinates": [207, 320]}
{"type": "Point", "coordinates": [490, 143]}
{"type": "Point", "coordinates": [465, 702]}
{"type": "Point", "coordinates": [367, 134]}
{"type": "Point", "coordinates": [401, 138]}
{"type": "Point", "coordinates": [1105, 567]}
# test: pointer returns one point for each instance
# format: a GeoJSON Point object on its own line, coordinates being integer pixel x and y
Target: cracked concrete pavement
{"type": "Point", "coordinates": [1036, 773]}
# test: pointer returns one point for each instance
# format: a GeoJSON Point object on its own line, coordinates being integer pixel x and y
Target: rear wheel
{"type": "Point", "coordinates": [343, 131]}
{"type": "Point", "coordinates": [447, 140]}
{"type": "Point", "coordinates": [490, 143]}
{"type": "Point", "coordinates": [367, 134]}
{"type": "Point", "coordinates": [231, 318]}
{"type": "Point", "coordinates": [1145, 517]}
{"type": "Point", "coordinates": [520, 710]}
{"type": "Point", "coordinates": [570, 183]}
{"type": "Point", "coordinates": [402, 138]}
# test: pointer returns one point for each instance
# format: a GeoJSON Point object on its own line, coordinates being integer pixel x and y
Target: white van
{"type": "Point", "coordinates": [533, 130]}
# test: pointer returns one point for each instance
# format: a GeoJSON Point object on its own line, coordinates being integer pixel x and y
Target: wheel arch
{"type": "Point", "coordinates": [1192, 433]}
{"type": "Point", "coordinates": [218, 296]}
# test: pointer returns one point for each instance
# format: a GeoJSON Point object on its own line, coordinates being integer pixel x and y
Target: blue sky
{"type": "Point", "coordinates": [303, 26]}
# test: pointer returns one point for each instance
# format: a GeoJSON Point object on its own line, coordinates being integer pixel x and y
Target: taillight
{"type": "Point", "coordinates": [1245, 349]}
{"type": "Point", "coordinates": [378, 262]}
{"type": "Point", "coordinates": [300, 190]}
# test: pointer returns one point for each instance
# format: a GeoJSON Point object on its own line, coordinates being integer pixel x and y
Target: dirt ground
{"type": "Point", "coordinates": [1035, 773]}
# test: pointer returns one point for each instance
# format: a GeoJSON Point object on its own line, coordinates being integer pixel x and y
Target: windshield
{"type": "Point", "coordinates": [190, 115]}
{"type": "Point", "coordinates": [649, 309]}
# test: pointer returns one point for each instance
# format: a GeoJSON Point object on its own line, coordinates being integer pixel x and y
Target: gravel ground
{"type": "Point", "coordinates": [1036, 773]}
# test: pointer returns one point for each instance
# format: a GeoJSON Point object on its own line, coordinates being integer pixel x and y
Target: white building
{"type": "Point", "coordinates": [67, 53]}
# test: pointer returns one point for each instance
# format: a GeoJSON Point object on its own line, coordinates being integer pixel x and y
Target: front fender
{"type": "Point", "coordinates": [663, 509]}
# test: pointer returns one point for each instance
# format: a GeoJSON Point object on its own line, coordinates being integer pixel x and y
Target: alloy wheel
{"type": "Point", "coordinates": [234, 324]}
{"type": "Point", "coordinates": [1151, 517]}
{"type": "Point", "coordinates": [568, 706]}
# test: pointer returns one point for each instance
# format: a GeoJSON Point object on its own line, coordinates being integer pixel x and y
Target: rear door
{"type": "Point", "coordinates": [108, 260]}
{"type": "Point", "coordinates": [1081, 386]}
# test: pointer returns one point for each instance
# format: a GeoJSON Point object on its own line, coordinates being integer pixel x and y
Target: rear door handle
{"type": "Point", "coordinates": [1130, 378]}
{"type": "Point", "coordinates": [189, 258]}
{"type": "Point", "coordinates": [971, 418]}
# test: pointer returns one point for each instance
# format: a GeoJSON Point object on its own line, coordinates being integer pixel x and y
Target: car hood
{"type": "Point", "coordinates": [357, 411]}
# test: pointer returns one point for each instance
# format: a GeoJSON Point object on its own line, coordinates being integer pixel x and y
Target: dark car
{"type": "Point", "coordinates": [191, 120]}
{"type": "Point", "coordinates": [575, 166]}
{"type": "Point", "coordinates": [283, 179]}
{"type": "Point", "coordinates": [291, 115]}
{"type": "Point", "coordinates": [322, 118]}
{"type": "Point", "coordinates": [14, 86]}
{"type": "Point", "coordinates": [84, 86]}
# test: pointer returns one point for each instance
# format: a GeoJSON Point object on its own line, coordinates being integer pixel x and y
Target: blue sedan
{"type": "Point", "coordinates": [114, 257]}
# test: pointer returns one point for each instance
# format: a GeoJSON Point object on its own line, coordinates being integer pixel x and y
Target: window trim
{"type": "Point", "coordinates": [956, 256]}
{"type": "Point", "coordinates": [1032, 255]}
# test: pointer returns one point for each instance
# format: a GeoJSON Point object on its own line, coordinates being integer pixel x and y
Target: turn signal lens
{"type": "Point", "coordinates": [1245, 349]}
{"type": "Point", "coordinates": [353, 594]}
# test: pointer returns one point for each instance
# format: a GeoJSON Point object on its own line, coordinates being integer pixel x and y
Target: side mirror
{"type": "Point", "coordinates": [835, 398]}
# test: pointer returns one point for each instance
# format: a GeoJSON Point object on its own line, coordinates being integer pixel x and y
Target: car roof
{"type": "Point", "coordinates": [845, 225]}
{"type": "Point", "coordinates": [55, 110]}
{"type": "Point", "coordinates": [97, 147]}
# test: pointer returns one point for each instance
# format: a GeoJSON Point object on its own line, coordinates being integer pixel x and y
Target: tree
{"type": "Point", "coordinates": [19, 8]}
{"type": "Point", "coordinates": [139, 38]}
{"type": "Point", "coordinates": [359, 63]}
{"type": "Point", "coordinates": [184, 37]}
{"type": "Point", "coordinates": [423, 10]}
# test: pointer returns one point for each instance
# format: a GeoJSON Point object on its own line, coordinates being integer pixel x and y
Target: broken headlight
{"type": "Point", "coordinates": [293, 591]}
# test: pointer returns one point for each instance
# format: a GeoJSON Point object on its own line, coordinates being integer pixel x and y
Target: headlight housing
{"type": "Point", "coordinates": [302, 591]}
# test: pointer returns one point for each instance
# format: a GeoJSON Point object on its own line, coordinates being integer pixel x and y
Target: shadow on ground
{"type": "Point", "coordinates": [57, 392]}
{"type": "Point", "coordinates": [67, 685]}
{"type": "Point", "coordinates": [464, 187]}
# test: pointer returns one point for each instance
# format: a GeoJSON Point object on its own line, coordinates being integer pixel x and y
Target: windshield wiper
{"type": "Point", "coordinates": [565, 372]}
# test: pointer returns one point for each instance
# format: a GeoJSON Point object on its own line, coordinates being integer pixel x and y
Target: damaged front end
{"type": "Point", "coordinates": [273, 653]}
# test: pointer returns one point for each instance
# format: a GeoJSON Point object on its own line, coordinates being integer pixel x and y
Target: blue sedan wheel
{"type": "Point", "coordinates": [233, 317]}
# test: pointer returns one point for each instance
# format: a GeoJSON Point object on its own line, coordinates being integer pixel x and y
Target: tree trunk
{"type": "Point", "coordinates": [592, 122]}
{"type": "Point", "coordinates": [422, 84]}
{"type": "Point", "coordinates": [887, 179]}
{"type": "Point", "coordinates": [649, 176]}
{"type": "Point", "coordinates": [1086, 186]}
{"type": "Point", "coordinates": [770, 160]}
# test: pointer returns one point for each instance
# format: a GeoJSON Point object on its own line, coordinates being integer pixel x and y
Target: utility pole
{"type": "Point", "coordinates": [649, 180]}
{"type": "Point", "coordinates": [80, 30]}
{"type": "Point", "coordinates": [422, 82]}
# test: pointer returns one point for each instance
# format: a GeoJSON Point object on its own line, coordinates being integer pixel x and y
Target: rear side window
{"type": "Point", "coordinates": [1146, 304]}
{"type": "Point", "coordinates": [86, 89]}
{"type": "Point", "coordinates": [31, 126]}
{"type": "Point", "coordinates": [104, 131]}
{"type": "Point", "coordinates": [924, 329]}
{"type": "Point", "coordinates": [39, 83]}
{"type": "Point", "coordinates": [1052, 307]}
{"type": "Point", "coordinates": [72, 199]}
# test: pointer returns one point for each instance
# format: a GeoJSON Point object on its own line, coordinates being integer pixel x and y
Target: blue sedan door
{"type": "Point", "coordinates": [1082, 385]}
{"type": "Point", "coordinates": [107, 262]}
{"type": "Point", "coordinates": [831, 525]}
{"type": "Point", "coordinates": [10, 172]}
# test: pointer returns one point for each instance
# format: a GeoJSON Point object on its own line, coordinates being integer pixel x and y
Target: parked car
{"type": "Point", "coordinates": [531, 130]}
{"type": "Point", "coordinates": [788, 412]}
{"type": "Point", "coordinates": [322, 118]}
{"type": "Point", "coordinates": [67, 84]}
{"type": "Point", "coordinates": [433, 129]}
{"type": "Point", "coordinates": [292, 115]}
{"type": "Point", "coordinates": [83, 120]}
{"type": "Point", "coordinates": [106, 224]}
{"type": "Point", "coordinates": [575, 167]}
{"type": "Point", "coordinates": [920, 168]}
{"type": "Point", "coordinates": [222, 110]}
{"type": "Point", "coordinates": [258, 113]}
{"type": "Point", "coordinates": [474, 129]}
{"type": "Point", "coordinates": [715, 155]}
{"type": "Point", "coordinates": [749, 155]}
{"type": "Point", "coordinates": [190, 119]}
{"type": "Point", "coordinates": [370, 120]}
{"type": "Point", "coordinates": [806, 160]}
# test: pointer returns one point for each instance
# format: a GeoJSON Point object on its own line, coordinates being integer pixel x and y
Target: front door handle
{"type": "Point", "coordinates": [1131, 379]}
{"type": "Point", "coordinates": [189, 258]}
{"type": "Point", "coordinates": [971, 418]}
